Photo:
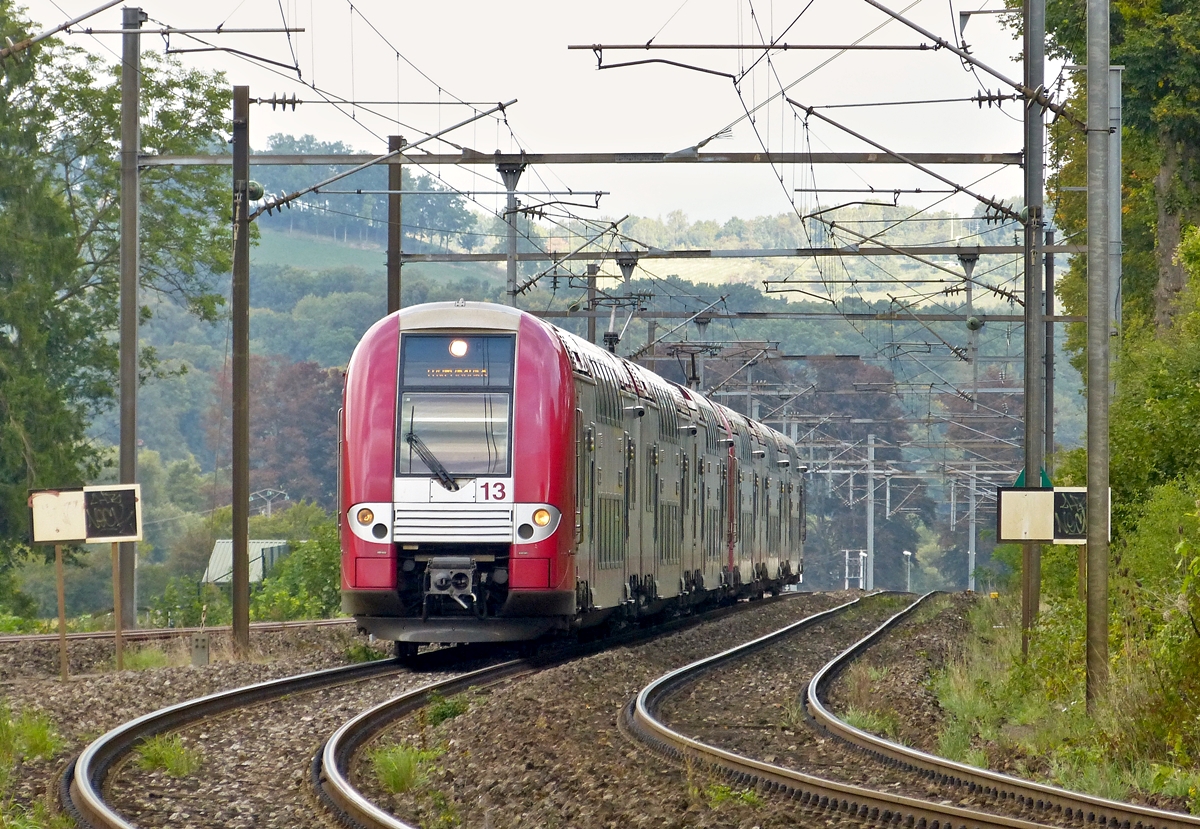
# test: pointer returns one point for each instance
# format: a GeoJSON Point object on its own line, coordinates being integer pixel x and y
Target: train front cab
{"type": "Point", "coordinates": [457, 477]}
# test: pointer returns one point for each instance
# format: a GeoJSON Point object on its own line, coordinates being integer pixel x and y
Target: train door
{"type": "Point", "coordinates": [650, 512]}
{"type": "Point", "coordinates": [732, 506]}
{"type": "Point", "coordinates": [585, 510]}
{"type": "Point", "coordinates": [633, 511]}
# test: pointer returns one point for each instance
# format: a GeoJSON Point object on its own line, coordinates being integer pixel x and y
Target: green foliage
{"type": "Point", "coordinates": [27, 735]}
{"type": "Point", "coordinates": [145, 659]}
{"type": "Point", "coordinates": [886, 723]}
{"type": "Point", "coordinates": [305, 584]}
{"type": "Point", "coordinates": [59, 179]}
{"type": "Point", "coordinates": [186, 602]}
{"type": "Point", "coordinates": [441, 709]}
{"type": "Point", "coordinates": [718, 793]}
{"type": "Point", "coordinates": [400, 768]}
{"type": "Point", "coordinates": [168, 753]}
{"type": "Point", "coordinates": [363, 652]}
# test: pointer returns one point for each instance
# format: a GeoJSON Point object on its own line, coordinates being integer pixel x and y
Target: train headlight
{"type": "Point", "coordinates": [365, 516]}
{"type": "Point", "coordinates": [541, 517]}
{"type": "Point", "coordinates": [458, 348]}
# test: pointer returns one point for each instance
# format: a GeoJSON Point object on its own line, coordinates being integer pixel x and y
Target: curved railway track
{"type": "Point", "coordinates": [1046, 802]}
{"type": "Point", "coordinates": [1028, 804]}
{"type": "Point", "coordinates": [83, 784]}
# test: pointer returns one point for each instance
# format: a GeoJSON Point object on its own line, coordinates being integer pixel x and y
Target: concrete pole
{"type": "Point", "coordinates": [395, 230]}
{"type": "Point", "coordinates": [1035, 335]}
{"type": "Point", "coordinates": [968, 261]}
{"type": "Point", "coordinates": [593, 271]}
{"type": "Point", "coordinates": [972, 533]}
{"type": "Point", "coordinates": [1098, 254]}
{"type": "Point", "coordinates": [1049, 356]}
{"type": "Point", "coordinates": [240, 311]}
{"type": "Point", "coordinates": [131, 58]}
{"type": "Point", "coordinates": [1115, 235]}
{"type": "Point", "coordinates": [511, 173]}
{"type": "Point", "coordinates": [870, 577]}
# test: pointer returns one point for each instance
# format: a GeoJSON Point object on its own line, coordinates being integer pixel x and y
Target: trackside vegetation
{"type": "Point", "coordinates": [25, 736]}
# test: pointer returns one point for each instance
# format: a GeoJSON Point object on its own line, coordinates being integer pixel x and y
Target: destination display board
{"type": "Point", "coordinates": [90, 514]}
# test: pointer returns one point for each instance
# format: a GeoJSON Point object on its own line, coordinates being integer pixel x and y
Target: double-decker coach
{"type": "Point", "coordinates": [500, 479]}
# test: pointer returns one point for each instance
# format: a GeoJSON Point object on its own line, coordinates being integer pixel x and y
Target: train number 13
{"type": "Point", "coordinates": [494, 491]}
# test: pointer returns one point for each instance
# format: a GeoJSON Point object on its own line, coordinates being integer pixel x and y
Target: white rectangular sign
{"type": "Point", "coordinates": [92, 514]}
{"type": "Point", "coordinates": [1025, 515]}
{"type": "Point", "coordinates": [1050, 515]}
{"type": "Point", "coordinates": [58, 516]}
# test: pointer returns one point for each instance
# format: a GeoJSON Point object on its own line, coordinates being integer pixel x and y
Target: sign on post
{"type": "Point", "coordinates": [1051, 515]}
{"type": "Point", "coordinates": [91, 514]}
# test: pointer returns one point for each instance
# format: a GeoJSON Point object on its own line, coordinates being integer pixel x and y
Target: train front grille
{"type": "Point", "coordinates": [453, 523]}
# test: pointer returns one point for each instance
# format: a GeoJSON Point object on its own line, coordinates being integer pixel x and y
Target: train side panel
{"type": "Point", "coordinates": [367, 458]}
{"type": "Point", "coordinates": [542, 574]}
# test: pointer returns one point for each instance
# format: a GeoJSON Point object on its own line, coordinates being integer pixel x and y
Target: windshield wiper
{"type": "Point", "coordinates": [430, 460]}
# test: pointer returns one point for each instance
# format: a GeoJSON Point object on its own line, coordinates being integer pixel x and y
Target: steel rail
{"type": "Point", "coordinates": [330, 768]}
{"type": "Point", "coordinates": [641, 721]}
{"type": "Point", "coordinates": [83, 781]}
{"type": "Point", "coordinates": [146, 634]}
{"type": "Point", "coordinates": [1051, 801]}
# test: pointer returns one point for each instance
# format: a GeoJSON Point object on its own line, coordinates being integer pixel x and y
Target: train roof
{"type": "Point", "coordinates": [587, 359]}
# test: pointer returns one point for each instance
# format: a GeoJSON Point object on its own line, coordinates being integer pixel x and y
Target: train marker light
{"type": "Point", "coordinates": [365, 516]}
{"type": "Point", "coordinates": [458, 348]}
{"type": "Point", "coordinates": [541, 517]}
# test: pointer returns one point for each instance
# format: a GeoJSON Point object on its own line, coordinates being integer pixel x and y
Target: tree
{"type": "Point", "coordinates": [59, 211]}
{"type": "Point", "coordinates": [1158, 42]}
{"type": "Point", "coordinates": [54, 358]}
{"type": "Point", "coordinates": [293, 428]}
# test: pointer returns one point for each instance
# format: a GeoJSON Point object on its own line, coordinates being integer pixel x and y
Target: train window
{"type": "Point", "coordinates": [460, 434]}
{"type": "Point", "coordinates": [608, 396]}
{"type": "Point", "coordinates": [458, 361]}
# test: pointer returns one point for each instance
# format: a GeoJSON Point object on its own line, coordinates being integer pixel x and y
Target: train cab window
{"type": "Point", "coordinates": [455, 404]}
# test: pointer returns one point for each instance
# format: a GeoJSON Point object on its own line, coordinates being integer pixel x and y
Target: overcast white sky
{"type": "Point", "coordinates": [488, 51]}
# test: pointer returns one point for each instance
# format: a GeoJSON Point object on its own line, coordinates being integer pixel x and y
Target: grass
{"type": "Point", "coordinates": [168, 753]}
{"type": "Point", "coordinates": [400, 768]}
{"type": "Point", "coordinates": [37, 816]}
{"type": "Point", "coordinates": [1032, 713]}
{"type": "Point", "coordinates": [363, 652]}
{"type": "Point", "coordinates": [886, 723]}
{"type": "Point", "coordinates": [718, 793]}
{"type": "Point", "coordinates": [26, 735]}
{"type": "Point", "coordinates": [794, 715]}
{"type": "Point", "coordinates": [441, 709]}
{"type": "Point", "coordinates": [145, 659]}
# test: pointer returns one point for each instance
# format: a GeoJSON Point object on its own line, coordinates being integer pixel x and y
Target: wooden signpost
{"type": "Point", "coordinates": [91, 515]}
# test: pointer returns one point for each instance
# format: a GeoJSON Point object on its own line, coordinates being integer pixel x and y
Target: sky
{"type": "Point", "coordinates": [444, 53]}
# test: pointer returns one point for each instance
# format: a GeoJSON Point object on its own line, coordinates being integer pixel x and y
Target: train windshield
{"type": "Point", "coordinates": [455, 405]}
{"type": "Point", "coordinates": [462, 434]}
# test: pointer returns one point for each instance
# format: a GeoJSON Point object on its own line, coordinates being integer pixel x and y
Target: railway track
{"type": "Point", "coordinates": [995, 800]}
{"type": "Point", "coordinates": [1047, 803]}
{"type": "Point", "coordinates": [87, 787]}
{"type": "Point", "coordinates": [148, 634]}
{"type": "Point", "coordinates": [83, 784]}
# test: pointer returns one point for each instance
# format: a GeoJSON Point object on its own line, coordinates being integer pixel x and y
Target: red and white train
{"type": "Point", "coordinates": [501, 479]}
